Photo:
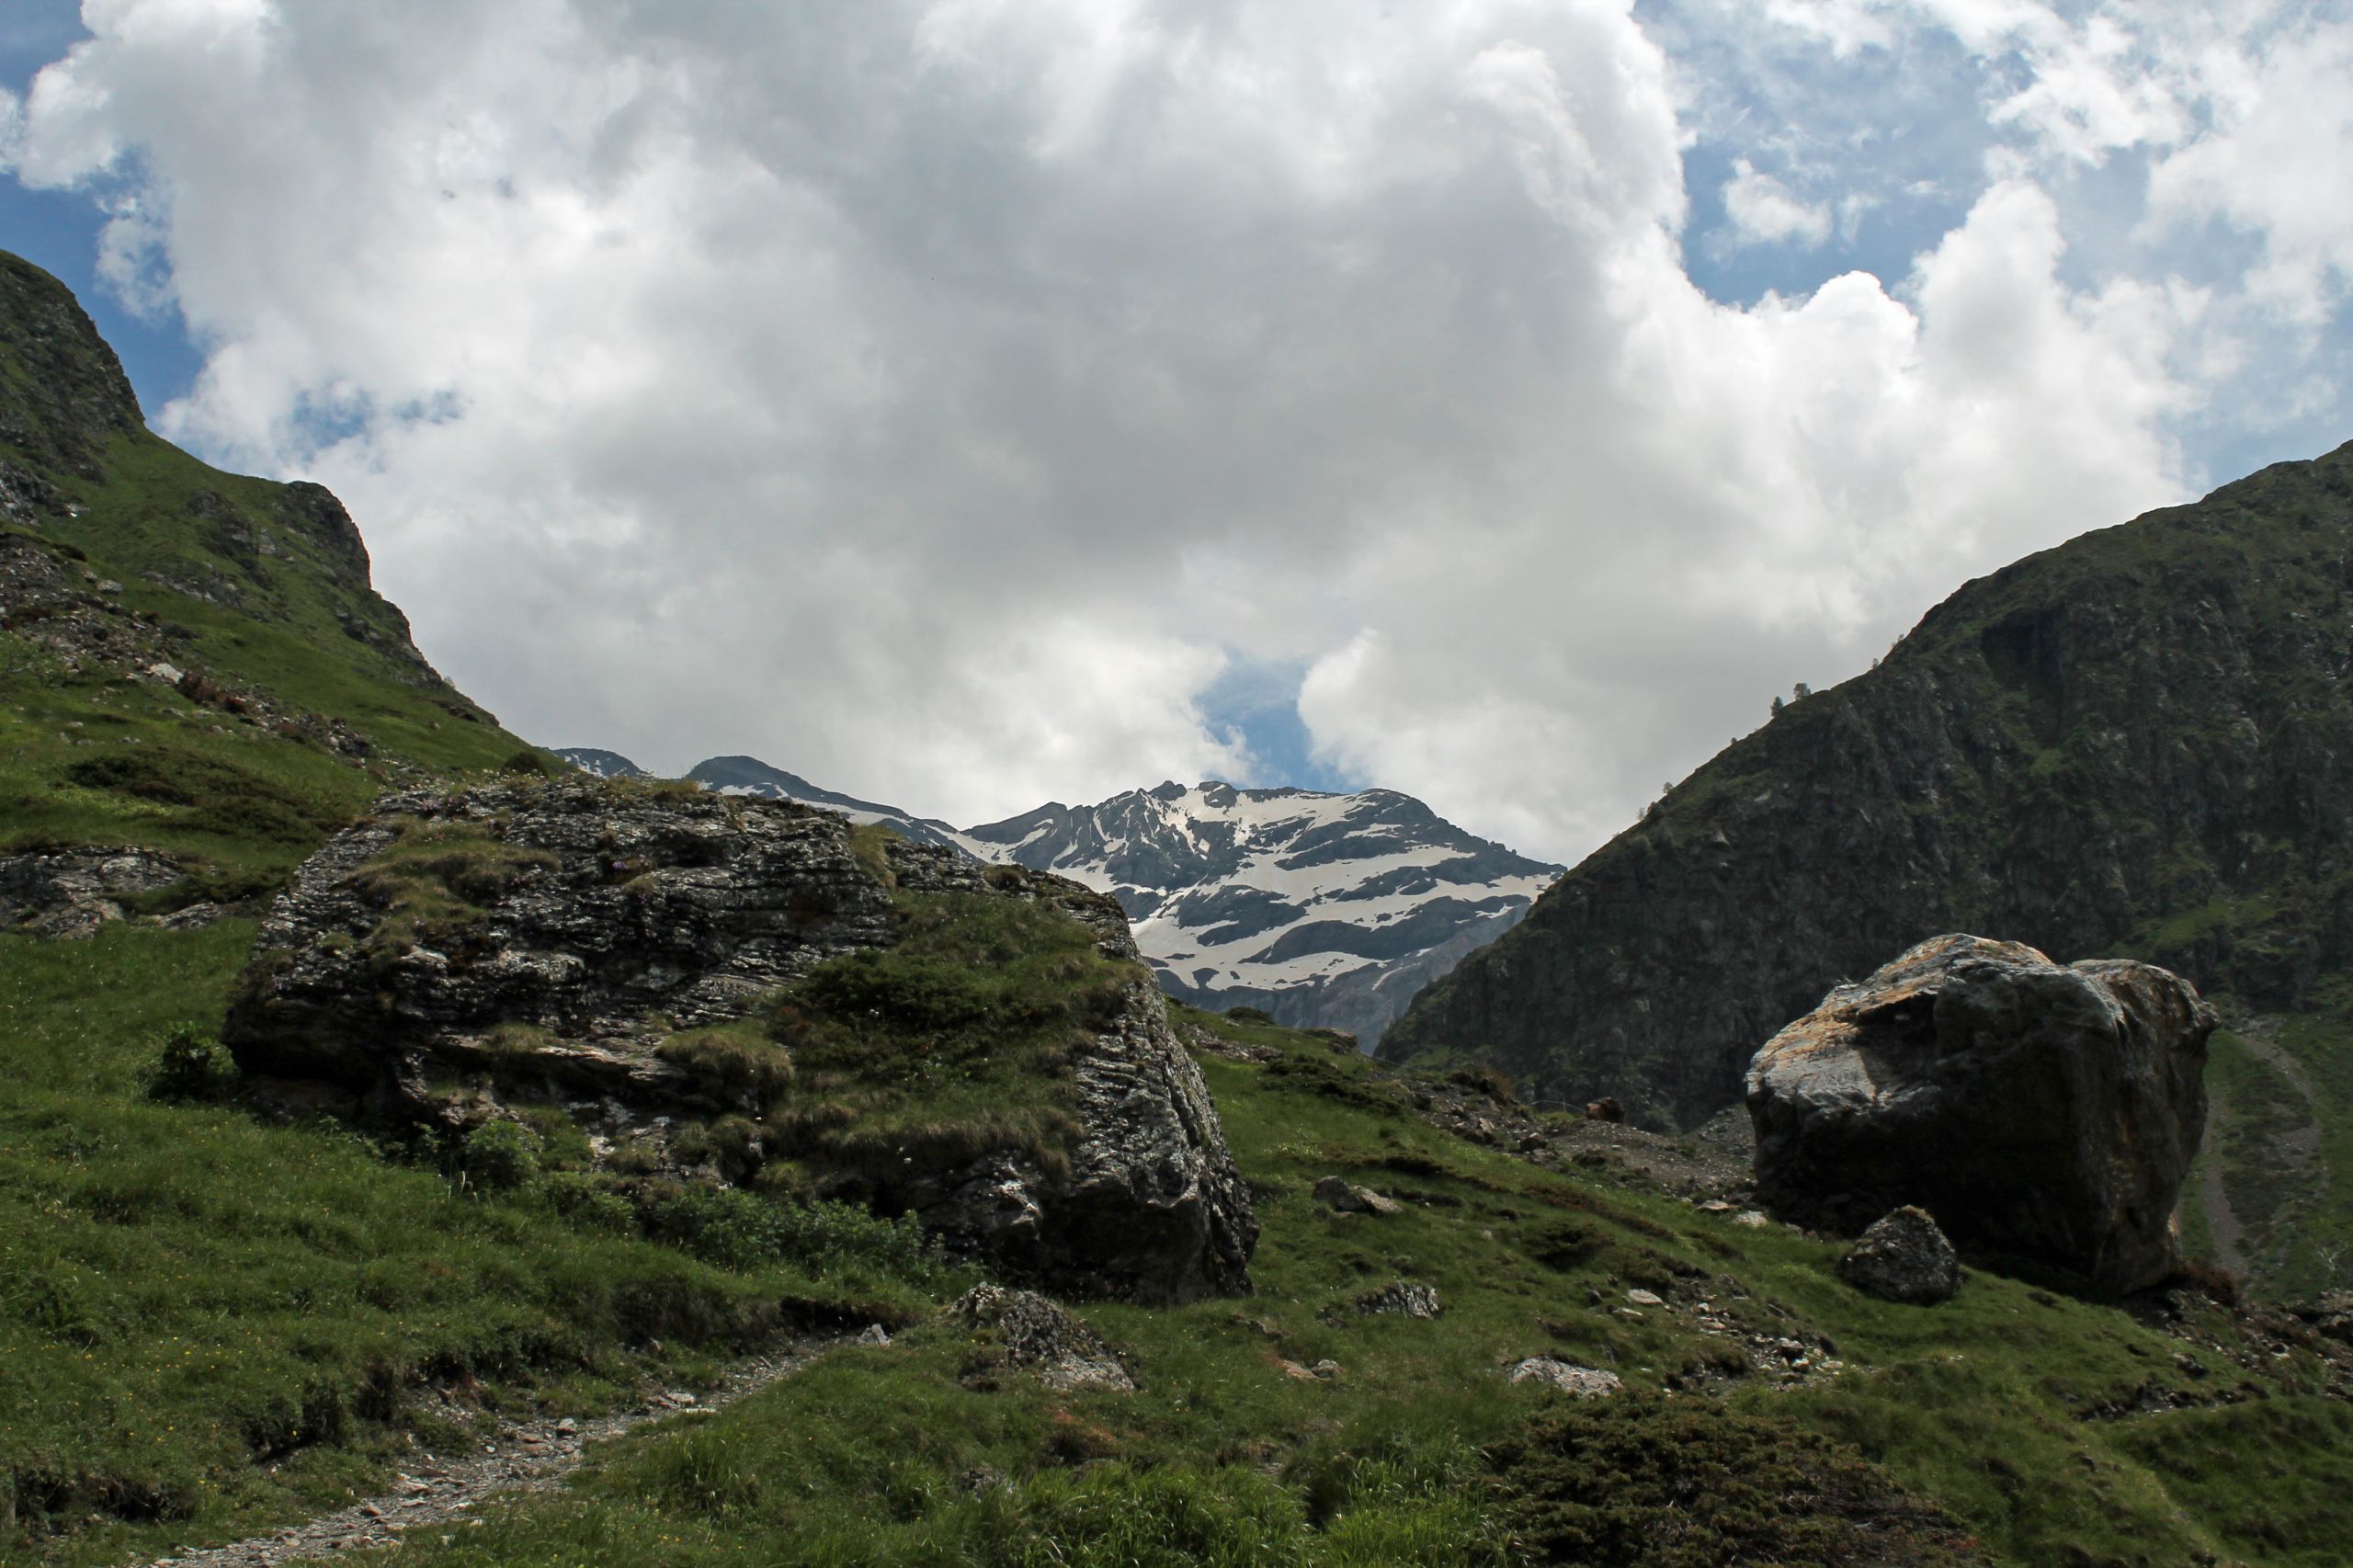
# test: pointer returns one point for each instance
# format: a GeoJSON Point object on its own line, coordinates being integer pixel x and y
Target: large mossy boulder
{"type": "Point", "coordinates": [2038, 1110]}
{"type": "Point", "coordinates": [704, 988]}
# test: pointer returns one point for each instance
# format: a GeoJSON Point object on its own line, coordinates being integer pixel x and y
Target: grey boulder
{"type": "Point", "coordinates": [2044, 1110]}
{"type": "Point", "coordinates": [1903, 1257]}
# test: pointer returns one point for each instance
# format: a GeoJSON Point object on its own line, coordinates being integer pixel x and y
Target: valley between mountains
{"type": "Point", "coordinates": [417, 1146]}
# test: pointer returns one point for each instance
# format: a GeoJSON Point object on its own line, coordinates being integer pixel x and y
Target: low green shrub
{"type": "Point", "coordinates": [190, 1067]}
{"type": "Point", "coordinates": [500, 1156]}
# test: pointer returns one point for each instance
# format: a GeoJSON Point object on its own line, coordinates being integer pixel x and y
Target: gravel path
{"type": "Point", "coordinates": [443, 1490]}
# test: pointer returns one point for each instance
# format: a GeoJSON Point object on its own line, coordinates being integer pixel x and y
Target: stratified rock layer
{"type": "Point", "coordinates": [605, 917]}
{"type": "Point", "coordinates": [2038, 1110]}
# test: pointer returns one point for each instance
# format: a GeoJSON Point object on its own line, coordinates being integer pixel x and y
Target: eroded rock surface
{"type": "Point", "coordinates": [1031, 1335]}
{"type": "Point", "coordinates": [2046, 1111]}
{"type": "Point", "coordinates": [459, 954]}
{"type": "Point", "coordinates": [1586, 1382]}
{"type": "Point", "coordinates": [72, 893]}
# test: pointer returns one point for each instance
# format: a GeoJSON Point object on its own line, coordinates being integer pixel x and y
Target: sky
{"type": "Point", "coordinates": [968, 404]}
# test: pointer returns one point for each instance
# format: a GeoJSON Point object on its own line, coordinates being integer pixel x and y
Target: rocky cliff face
{"type": "Point", "coordinates": [692, 983]}
{"type": "Point", "coordinates": [2141, 740]}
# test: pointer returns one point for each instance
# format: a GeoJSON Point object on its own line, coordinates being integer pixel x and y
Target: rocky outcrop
{"type": "Point", "coordinates": [2139, 739]}
{"type": "Point", "coordinates": [1585, 1382]}
{"type": "Point", "coordinates": [1031, 1335]}
{"type": "Point", "coordinates": [1903, 1257]}
{"type": "Point", "coordinates": [2036, 1110]}
{"type": "Point", "coordinates": [1402, 1297]}
{"type": "Point", "coordinates": [572, 943]}
{"type": "Point", "coordinates": [72, 893]}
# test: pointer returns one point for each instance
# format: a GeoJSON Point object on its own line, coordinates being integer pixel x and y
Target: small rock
{"type": "Point", "coordinates": [1348, 1199]}
{"type": "Point", "coordinates": [567, 1425]}
{"type": "Point", "coordinates": [875, 1335]}
{"type": "Point", "coordinates": [1645, 1298]}
{"type": "Point", "coordinates": [1325, 1370]}
{"type": "Point", "coordinates": [1715, 1206]}
{"type": "Point", "coordinates": [1903, 1257]}
{"type": "Point", "coordinates": [1752, 1219]}
{"type": "Point", "coordinates": [1583, 1381]}
{"type": "Point", "coordinates": [1402, 1297]}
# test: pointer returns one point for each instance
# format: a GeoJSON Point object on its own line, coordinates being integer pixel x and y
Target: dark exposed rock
{"type": "Point", "coordinates": [2083, 750]}
{"type": "Point", "coordinates": [1031, 1335]}
{"type": "Point", "coordinates": [571, 927]}
{"type": "Point", "coordinates": [2047, 1111]}
{"type": "Point", "coordinates": [1903, 1257]}
{"type": "Point", "coordinates": [75, 396]}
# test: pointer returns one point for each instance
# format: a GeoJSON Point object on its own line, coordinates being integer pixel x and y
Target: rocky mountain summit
{"type": "Point", "coordinates": [2046, 1111]}
{"type": "Point", "coordinates": [745, 991]}
{"type": "Point", "coordinates": [2136, 741]}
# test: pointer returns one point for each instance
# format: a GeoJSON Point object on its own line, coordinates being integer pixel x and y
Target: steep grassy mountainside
{"type": "Point", "coordinates": [190, 661]}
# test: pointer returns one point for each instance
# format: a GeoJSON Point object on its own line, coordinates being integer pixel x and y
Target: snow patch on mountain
{"type": "Point", "coordinates": [1322, 909]}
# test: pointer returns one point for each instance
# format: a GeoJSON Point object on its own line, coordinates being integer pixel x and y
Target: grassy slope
{"type": "Point", "coordinates": [206, 1319]}
{"type": "Point", "coordinates": [881, 1456]}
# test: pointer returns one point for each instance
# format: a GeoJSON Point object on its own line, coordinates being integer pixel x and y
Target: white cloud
{"type": "Point", "coordinates": [1763, 212]}
{"type": "Point", "coordinates": [934, 398]}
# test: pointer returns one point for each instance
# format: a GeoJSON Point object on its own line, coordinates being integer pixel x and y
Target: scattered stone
{"type": "Point", "coordinates": [1586, 1382]}
{"type": "Point", "coordinates": [2045, 1110]}
{"type": "Point", "coordinates": [1752, 1219]}
{"type": "Point", "coordinates": [1402, 1297]}
{"type": "Point", "coordinates": [1642, 1297]}
{"type": "Point", "coordinates": [875, 1335]}
{"type": "Point", "coordinates": [1903, 1257]}
{"type": "Point", "coordinates": [1036, 1336]}
{"type": "Point", "coordinates": [1715, 1206]}
{"type": "Point", "coordinates": [1348, 1199]}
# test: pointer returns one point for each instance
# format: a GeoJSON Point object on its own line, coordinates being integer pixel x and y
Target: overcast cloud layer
{"type": "Point", "coordinates": [940, 399]}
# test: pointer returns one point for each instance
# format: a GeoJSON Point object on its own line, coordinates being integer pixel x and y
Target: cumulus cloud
{"type": "Point", "coordinates": [942, 398]}
{"type": "Point", "coordinates": [1762, 211]}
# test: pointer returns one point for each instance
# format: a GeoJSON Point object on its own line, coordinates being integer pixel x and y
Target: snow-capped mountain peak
{"type": "Point", "coordinates": [1321, 908]}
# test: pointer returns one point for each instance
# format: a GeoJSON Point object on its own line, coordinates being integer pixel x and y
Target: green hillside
{"type": "Point", "coordinates": [218, 1319]}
